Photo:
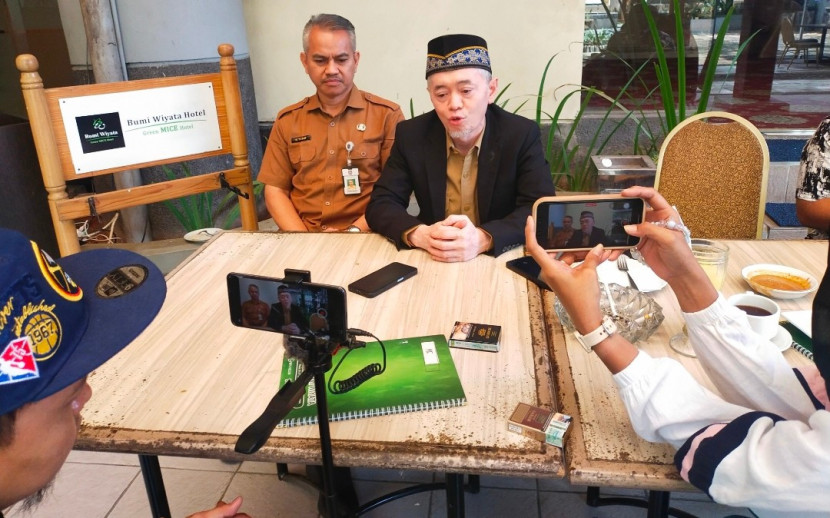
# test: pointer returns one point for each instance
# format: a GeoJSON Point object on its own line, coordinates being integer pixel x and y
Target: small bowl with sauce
{"type": "Point", "coordinates": [778, 281]}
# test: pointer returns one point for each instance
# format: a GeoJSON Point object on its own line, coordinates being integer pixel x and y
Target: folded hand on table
{"type": "Point", "coordinates": [453, 239]}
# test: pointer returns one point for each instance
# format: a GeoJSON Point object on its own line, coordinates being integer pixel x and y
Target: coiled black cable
{"type": "Point", "coordinates": [361, 376]}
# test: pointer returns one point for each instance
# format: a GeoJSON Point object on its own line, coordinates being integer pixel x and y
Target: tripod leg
{"type": "Point", "coordinates": [329, 494]}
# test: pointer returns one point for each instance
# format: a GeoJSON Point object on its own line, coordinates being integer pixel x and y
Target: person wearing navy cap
{"type": "Point", "coordinates": [475, 169]}
{"type": "Point", "coordinates": [59, 320]}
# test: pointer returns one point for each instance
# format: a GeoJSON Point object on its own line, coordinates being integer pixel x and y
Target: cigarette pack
{"type": "Point", "coordinates": [482, 337]}
{"type": "Point", "coordinates": [540, 424]}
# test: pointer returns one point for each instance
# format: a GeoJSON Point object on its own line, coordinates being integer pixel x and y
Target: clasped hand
{"type": "Point", "coordinates": [453, 239]}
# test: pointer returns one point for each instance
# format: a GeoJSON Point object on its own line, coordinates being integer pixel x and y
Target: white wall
{"type": "Point", "coordinates": [392, 39]}
{"type": "Point", "coordinates": [156, 31]}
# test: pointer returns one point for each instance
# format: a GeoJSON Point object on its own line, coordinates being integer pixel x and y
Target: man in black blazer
{"type": "Point", "coordinates": [588, 236]}
{"type": "Point", "coordinates": [475, 169]}
{"type": "Point", "coordinates": [285, 316]}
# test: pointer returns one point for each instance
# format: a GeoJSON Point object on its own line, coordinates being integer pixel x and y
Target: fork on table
{"type": "Point", "coordinates": [622, 265]}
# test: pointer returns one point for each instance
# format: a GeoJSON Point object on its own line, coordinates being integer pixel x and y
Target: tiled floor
{"type": "Point", "coordinates": [98, 485]}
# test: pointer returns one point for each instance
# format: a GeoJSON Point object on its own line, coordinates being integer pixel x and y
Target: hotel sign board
{"type": "Point", "coordinates": [118, 129]}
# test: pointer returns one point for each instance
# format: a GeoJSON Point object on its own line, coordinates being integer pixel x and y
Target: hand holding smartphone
{"type": "Point", "coordinates": [574, 223]}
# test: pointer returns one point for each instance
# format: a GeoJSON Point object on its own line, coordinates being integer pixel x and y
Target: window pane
{"type": "Point", "coordinates": [767, 83]}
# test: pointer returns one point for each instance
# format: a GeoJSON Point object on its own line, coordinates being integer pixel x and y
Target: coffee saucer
{"type": "Point", "coordinates": [782, 339]}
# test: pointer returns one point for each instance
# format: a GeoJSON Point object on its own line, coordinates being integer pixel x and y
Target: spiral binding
{"type": "Point", "coordinates": [803, 350]}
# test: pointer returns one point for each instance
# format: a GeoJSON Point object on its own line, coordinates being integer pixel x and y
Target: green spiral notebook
{"type": "Point", "coordinates": [420, 375]}
{"type": "Point", "coordinates": [801, 342]}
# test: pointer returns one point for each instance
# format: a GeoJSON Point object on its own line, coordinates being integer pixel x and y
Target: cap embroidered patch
{"type": "Point", "coordinates": [39, 323]}
{"type": "Point", "coordinates": [121, 281]}
{"type": "Point", "coordinates": [17, 362]}
{"type": "Point", "coordinates": [56, 277]}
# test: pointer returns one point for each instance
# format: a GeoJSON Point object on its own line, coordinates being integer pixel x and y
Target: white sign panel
{"type": "Point", "coordinates": [118, 129]}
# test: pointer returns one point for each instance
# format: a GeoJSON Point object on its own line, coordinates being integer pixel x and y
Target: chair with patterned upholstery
{"type": "Point", "coordinates": [714, 167]}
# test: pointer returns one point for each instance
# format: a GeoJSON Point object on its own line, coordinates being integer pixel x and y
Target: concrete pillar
{"type": "Point", "coordinates": [107, 67]}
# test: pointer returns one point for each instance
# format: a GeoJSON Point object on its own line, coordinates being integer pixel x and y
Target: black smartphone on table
{"type": "Point", "coordinates": [573, 223]}
{"type": "Point", "coordinates": [383, 279]}
{"type": "Point", "coordinates": [292, 308]}
{"type": "Point", "coordinates": [528, 268]}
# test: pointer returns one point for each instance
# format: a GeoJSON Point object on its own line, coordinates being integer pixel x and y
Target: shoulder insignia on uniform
{"type": "Point", "coordinates": [292, 107]}
{"type": "Point", "coordinates": [374, 99]}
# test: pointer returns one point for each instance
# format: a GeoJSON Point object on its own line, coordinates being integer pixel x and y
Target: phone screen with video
{"type": "Point", "coordinates": [296, 309]}
{"type": "Point", "coordinates": [568, 223]}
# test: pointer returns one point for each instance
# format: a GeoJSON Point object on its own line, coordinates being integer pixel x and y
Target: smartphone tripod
{"type": "Point", "coordinates": [315, 353]}
{"type": "Point", "coordinates": [258, 432]}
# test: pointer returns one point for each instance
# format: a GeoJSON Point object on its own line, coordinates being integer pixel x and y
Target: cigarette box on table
{"type": "Point", "coordinates": [540, 424]}
{"type": "Point", "coordinates": [482, 337]}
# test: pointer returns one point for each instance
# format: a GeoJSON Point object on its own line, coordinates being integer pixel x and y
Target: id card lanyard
{"type": "Point", "coordinates": [351, 177]}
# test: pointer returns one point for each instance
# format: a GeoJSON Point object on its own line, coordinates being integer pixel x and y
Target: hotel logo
{"type": "Point", "coordinates": [100, 132]}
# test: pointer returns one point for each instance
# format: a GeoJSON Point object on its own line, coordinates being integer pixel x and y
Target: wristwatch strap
{"type": "Point", "coordinates": [605, 329]}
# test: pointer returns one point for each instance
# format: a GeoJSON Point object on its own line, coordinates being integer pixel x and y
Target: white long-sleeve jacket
{"type": "Point", "coordinates": [764, 445]}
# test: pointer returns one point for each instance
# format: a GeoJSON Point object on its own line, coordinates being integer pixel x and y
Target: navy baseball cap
{"type": "Point", "coordinates": [60, 320]}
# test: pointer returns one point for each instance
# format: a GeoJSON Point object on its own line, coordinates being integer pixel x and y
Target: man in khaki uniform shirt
{"type": "Point", "coordinates": [325, 153]}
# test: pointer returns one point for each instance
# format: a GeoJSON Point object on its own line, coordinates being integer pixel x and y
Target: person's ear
{"type": "Point", "coordinates": [304, 61]}
{"type": "Point", "coordinates": [493, 89]}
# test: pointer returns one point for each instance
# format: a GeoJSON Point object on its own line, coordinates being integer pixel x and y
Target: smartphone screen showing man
{"type": "Point", "coordinates": [296, 309]}
{"type": "Point", "coordinates": [583, 222]}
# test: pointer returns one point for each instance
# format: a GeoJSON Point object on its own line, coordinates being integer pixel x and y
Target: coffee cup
{"type": "Point", "coordinates": [762, 313]}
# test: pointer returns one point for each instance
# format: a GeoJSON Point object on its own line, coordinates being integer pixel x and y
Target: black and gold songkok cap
{"type": "Point", "coordinates": [453, 51]}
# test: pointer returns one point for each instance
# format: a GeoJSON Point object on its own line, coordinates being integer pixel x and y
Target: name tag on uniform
{"type": "Point", "coordinates": [351, 180]}
{"type": "Point", "coordinates": [294, 140]}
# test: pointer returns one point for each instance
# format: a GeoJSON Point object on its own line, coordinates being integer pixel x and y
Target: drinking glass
{"type": "Point", "coordinates": [712, 257]}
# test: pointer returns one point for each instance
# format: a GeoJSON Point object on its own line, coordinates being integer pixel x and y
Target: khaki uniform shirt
{"type": "Point", "coordinates": [306, 153]}
{"type": "Point", "coordinates": [462, 175]}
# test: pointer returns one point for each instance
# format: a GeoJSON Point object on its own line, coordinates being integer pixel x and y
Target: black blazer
{"type": "Point", "coordinates": [512, 174]}
{"type": "Point", "coordinates": [597, 237]}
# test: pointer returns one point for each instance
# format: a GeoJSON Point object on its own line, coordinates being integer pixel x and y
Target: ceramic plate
{"type": "Point", "coordinates": [201, 235]}
{"type": "Point", "coordinates": [779, 282]}
{"type": "Point", "coordinates": [782, 339]}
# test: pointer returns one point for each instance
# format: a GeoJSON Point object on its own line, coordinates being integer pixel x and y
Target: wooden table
{"type": "Point", "coordinates": [192, 382]}
{"type": "Point", "coordinates": [602, 449]}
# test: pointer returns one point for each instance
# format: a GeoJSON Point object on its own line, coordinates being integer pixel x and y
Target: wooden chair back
{"type": "Point", "coordinates": [49, 128]}
{"type": "Point", "coordinates": [714, 167]}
